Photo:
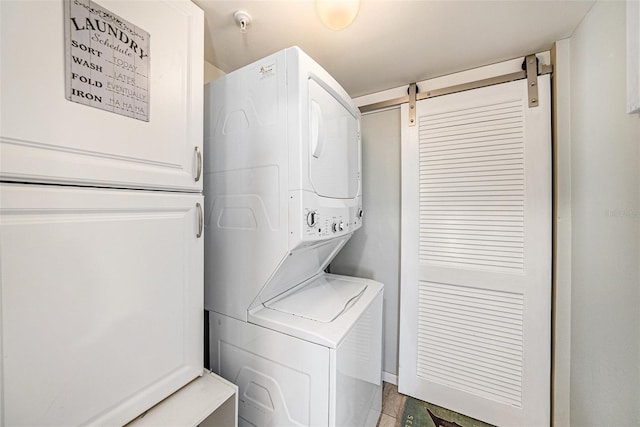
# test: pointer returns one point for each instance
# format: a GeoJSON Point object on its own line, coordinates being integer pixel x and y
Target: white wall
{"type": "Point", "coordinates": [605, 192]}
{"type": "Point", "coordinates": [374, 251]}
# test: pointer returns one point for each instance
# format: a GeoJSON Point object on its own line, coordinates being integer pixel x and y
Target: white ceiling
{"type": "Point", "coordinates": [392, 42]}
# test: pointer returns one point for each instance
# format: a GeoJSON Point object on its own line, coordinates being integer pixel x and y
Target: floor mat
{"type": "Point", "coordinates": [423, 414]}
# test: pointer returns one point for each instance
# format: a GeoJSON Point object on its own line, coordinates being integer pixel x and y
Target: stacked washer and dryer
{"type": "Point", "coordinates": [283, 195]}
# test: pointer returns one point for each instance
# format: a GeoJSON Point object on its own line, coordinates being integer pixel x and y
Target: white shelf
{"type": "Point", "coordinates": [206, 401]}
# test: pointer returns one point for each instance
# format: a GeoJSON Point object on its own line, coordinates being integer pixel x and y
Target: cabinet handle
{"type": "Point", "coordinates": [200, 220]}
{"type": "Point", "coordinates": [199, 163]}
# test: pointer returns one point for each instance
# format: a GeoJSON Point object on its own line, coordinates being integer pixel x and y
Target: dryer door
{"type": "Point", "coordinates": [334, 161]}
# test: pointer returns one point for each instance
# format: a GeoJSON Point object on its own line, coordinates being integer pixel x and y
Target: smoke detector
{"type": "Point", "coordinates": [243, 19]}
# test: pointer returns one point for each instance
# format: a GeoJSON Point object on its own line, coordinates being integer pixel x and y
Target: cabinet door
{"type": "Point", "coordinates": [46, 138]}
{"type": "Point", "coordinates": [101, 302]}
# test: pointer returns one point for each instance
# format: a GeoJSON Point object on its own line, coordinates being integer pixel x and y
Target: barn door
{"type": "Point", "coordinates": [476, 254]}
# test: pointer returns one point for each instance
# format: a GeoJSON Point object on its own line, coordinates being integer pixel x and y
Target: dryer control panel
{"type": "Point", "coordinates": [328, 222]}
{"type": "Point", "coordinates": [319, 218]}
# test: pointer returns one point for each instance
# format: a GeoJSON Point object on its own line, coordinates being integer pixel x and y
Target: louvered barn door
{"type": "Point", "coordinates": [476, 254]}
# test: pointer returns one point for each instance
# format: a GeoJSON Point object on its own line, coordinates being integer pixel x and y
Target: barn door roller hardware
{"type": "Point", "coordinates": [413, 91]}
{"type": "Point", "coordinates": [531, 69]}
{"type": "Point", "coordinates": [530, 66]}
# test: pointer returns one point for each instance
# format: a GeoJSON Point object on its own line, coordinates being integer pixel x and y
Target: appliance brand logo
{"type": "Point", "coordinates": [267, 70]}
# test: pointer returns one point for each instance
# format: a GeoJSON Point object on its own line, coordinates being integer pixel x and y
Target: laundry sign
{"type": "Point", "coordinates": [106, 60]}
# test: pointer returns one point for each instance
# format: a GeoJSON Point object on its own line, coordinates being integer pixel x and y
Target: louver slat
{"type": "Point", "coordinates": [471, 340]}
{"type": "Point", "coordinates": [472, 217]}
{"type": "Point", "coordinates": [472, 187]}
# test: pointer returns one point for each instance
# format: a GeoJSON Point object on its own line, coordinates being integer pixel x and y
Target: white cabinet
{"type": "Point", "coordinates": [46, 138]}
{"type": "Point", "coordinates": [101, 286]}
{"type": "Point", "coordinates": [101, 302]}
{"type": "Point", "coordinates": [209, 401]}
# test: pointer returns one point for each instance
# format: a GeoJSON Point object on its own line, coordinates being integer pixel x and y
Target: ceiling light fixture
{"type": "Point", "coordinates": [337, 14]}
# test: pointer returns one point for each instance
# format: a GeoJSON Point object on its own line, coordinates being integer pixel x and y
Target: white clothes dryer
{"type": "Point", "coordinates": [282, 188]}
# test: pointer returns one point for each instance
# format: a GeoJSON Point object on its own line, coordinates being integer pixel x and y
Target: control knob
{"type": "Point", "coordinates": [312, 218]}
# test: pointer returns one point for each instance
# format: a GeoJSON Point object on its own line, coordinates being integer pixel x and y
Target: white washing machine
{"type": "Point", "coordinates": [283, 195]}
